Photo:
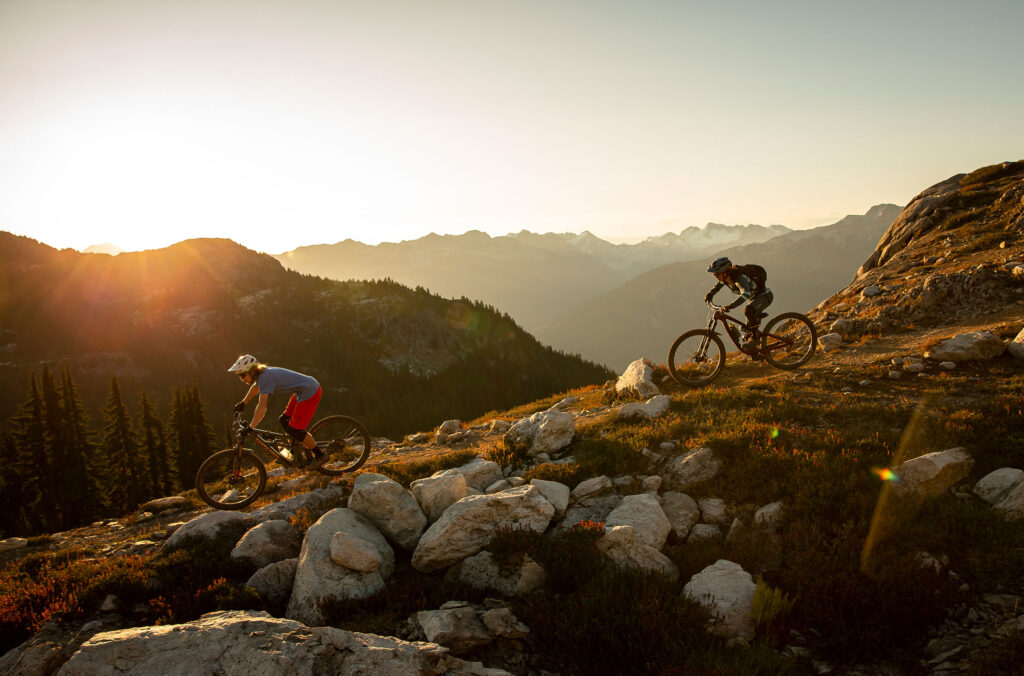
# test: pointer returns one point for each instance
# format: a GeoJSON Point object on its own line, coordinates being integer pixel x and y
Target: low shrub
{"type": "Point", "coordinates": [407, 472]}
{"type": "Point", "coordinates": [569, 473]}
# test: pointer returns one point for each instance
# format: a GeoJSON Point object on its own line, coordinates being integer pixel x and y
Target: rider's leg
{"type": "Point", "coordinates": [301, 415]}
{"type": "Point", "coordinates": [755, 309]}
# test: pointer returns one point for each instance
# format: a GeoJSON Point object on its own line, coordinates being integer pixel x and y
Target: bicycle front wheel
{"type": "Point", "coordinates": [696, 358]}
{"type": "Point", "coordinates": [231, 480]}
{"type": "Point", "coordinates": [788, 341]}
{"type": "Point", "coordinates": [347, 441]}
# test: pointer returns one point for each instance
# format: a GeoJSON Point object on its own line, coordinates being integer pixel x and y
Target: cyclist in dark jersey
{"type": "Point", "coordinates": [757, 299]}
{"type": "Point", "coordinates": [305, 393]}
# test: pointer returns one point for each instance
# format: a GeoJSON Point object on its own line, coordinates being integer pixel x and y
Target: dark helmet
{"type": "Point", "coordinates": [720, 264]}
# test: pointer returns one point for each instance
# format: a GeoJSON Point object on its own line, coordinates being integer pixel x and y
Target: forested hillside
{"type": "Point", "coordinates": [172, 320]}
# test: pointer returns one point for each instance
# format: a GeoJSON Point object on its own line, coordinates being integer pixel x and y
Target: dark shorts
{"type": "Point", "coordinates": [300, 413]}
{"type": "Point", "coordinates": [755, 308]}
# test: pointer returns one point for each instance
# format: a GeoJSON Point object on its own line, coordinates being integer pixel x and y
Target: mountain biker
{"type": "Point", "coordinates": [747, 282]}
{"type": "Point", "coordinates": [305, 392]}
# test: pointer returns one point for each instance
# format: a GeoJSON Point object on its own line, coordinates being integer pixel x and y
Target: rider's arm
{"type": "Point", "coordinates": [261, 410]}
{"type": "Point", "coordinates": [253, 389]}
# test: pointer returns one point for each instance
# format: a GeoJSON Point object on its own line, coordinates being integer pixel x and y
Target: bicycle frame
{"type": "Point", "coordinates": [265, 439]}
{"type": "Point", "coordinates": [776, 343]}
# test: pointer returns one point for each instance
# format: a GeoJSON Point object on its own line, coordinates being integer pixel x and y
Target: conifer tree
{"type": "Point", "coordinates": [124, 478]}
{"type": "Point", "coordinates": [192, 432]}
{"type": "Point", "coordinates": [154, 449]}
{"type": "Point", "coordinates": [80, 486]}
{"type": "Point", "coordinates": [27, 424]}
{"type": "Point", "coordinates": [11, 512]}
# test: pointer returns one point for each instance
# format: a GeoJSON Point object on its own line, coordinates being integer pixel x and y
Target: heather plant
{"type": "Point", "coordinates": [569, 473]}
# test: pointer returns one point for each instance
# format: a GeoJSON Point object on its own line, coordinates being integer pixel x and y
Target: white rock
{"type": "Point", "coordinates": [318, 578]}
{"type": "Point", "coordinates": [481, 473]}
{"type": "Point", "coordinates": [652, 408]}
{"type": "Point", "coordinates": [728, 592]}
{"type": "Point", "coordinates": [481, 571]}
{"type": "Point", "coordinates": [249, 642]}
{"type": "Point", "coordinates": [500, 622]}
{"type": "Point", "coordinates": [274, 582]}
{"type": "Point", "coordinates": [894, 375]}
{"type": "Point", "coordinates": [967, 347]}
{"type": "Point", "coordinates": [10, 544]}
{"type": "Point", "coordinates": [1011, 506]}
{"type": "Point", "coordinates": [313, 501]}
{"type": "Point", "coordinates": [592, 488]}
{"type": "Point", "coordinates": [556, 493]}
{"type": "Point", "coordinates": [948, 365]}
{"type": "Point", "coordinates": [168, 504]}
{"type": "Point", "coordinates": [498, 486]}
{"type": "Point", "coordinates": [995, 485]}
{"type": "Point", "coordinates": [469, 525]}
{"type": "Point", "coordinates": [644, 513]}
{"type": "Point", "coordinates": [637, 380]}
{"type": "Point", "coordinates": [450, 427]}
{"type": "Point", "coordinates": [830, 341]}
{"type": "Point", "coordinates": [769, 516]}
{"type": "Point", "coordinates": [1016, 347]}
{"type": "Point", "coordinates": [355, 553]}
{"type": "Point", "coordinates": [213, 526]}
{"type": "Point", "coordinates": [439, 492]}
{"type": "Point", "coordinates": [714, 510]}
{"type": "Point", "coordinates": [914, 367]}
{"type": "Point", "coordinates": [704, 532]}
{"type": "Point", "coordinates": [267, 543]}
{"type": "Point", "coordinates": [843, 327]}
{"type": "Point", "coordinates": [682, 512]}
{"type": "Point", "coordinates": [390, 507]}
{"type": "Point", "coordinates": [691, 469]}
{"type": "Point", "coordinates": [651, 484]}
{"type": "Point", "coordinates": [456, 628]}
{"type": "Point", "coordinates": [933, 473]}
{"type": "Point", "coordinates": [565, 403]}
{"type": "Point", "coordinates": [500, 426]}
{"type": "Point", "coordinates": [622, 546]}
{"type": "Point", "coordinates": [542, 432]}
{"type": "Point", "coordinates": [870, 291]}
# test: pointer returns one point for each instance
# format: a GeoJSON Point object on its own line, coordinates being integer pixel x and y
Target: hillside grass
{"type": "Point", "coordinates": [844, 572]}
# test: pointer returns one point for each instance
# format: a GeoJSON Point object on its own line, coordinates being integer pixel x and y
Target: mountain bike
{"type": "Point", "coordinates": [697, 356]}
{"type": "Point", "coordinates": [235, 477]}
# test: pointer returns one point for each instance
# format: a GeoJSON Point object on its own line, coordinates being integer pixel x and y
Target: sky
{"type": "Point", "coordinates": [281, 124]}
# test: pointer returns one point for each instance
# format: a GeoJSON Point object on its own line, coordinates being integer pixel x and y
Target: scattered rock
{"type": "Point", "coordinates": [267, 543]}
{"type": "Point", "coordinates": [469, 525]}
{"type": "Point", "coordinates": [355, 553]}
{"type": "Point", "coordinates": [691, 469]}
{"type": "Point", "coordinates": [933, 473]}
{"type": "Point", "coordinates": [481, 571]}
{"type": "Point", "coordinates": [714, 510]}
{"type": "Point", "coordinates": [830, 342]}
{"type": "Point", "coordinates": [728, 591]}
{"type": "Point", "coordinates": [625, 549]}
{"type": "Point", "coordinates": [682, 512]}
{"type": "Point", "coordinates": [173, 503]}
{"type": "Point", "coordinates": [543, 432]}
{"type": "Point", "coordinates": [638, 380]}
{"type": "Point", "coordinates": [390, 507]}
{"type": "Point", "coordinates": [644, 513]}
{"type": "Point", "coordinates": [704, 532]}
{"type": "Point", "coordinates": [1016, 347]}
{"type": "Point", "coordinates": [10, 544]}
{"type": "Point", "coordinates": [214, 526]}
{"type": "Point", "coordinates": [555, 493]}
{"type": "Point", "coordinates": [274, 582]}
{"type": "Point", "coordinates": [652, 408]}
{"type": "Point", "coordinates": [438, 492]}
{"type": "Point", "coordinates": [480, 473]}
{"type": "Point", "coordinates": [458, 629]}
{"type": "Point", "coordinates": [979, 345]}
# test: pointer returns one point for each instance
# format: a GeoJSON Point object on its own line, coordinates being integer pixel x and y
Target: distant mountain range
{"type": "Point", "coordinates": [641, 317]}
{"type": "Point", "coordinates": [400, 359]}
{"type": "Point", "coordinates": [533, 277]}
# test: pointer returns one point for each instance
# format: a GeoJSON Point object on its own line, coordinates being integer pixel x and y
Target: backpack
{"type": "Point", "coordinates": [755, 273]}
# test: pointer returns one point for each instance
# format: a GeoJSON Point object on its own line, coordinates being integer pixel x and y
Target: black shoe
{"type": "Point", "coordinates": [319, 459]}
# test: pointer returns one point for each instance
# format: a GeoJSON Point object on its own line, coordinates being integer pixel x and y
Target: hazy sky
{"type": "Point", "coordinates": [278, 124]}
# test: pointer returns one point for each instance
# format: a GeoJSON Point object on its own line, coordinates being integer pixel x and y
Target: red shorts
{"type": "Point", "coordinates": [301, 412]}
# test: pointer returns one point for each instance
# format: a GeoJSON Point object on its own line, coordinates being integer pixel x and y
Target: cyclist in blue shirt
{"type": "Point", "coordinates": [305, 391]}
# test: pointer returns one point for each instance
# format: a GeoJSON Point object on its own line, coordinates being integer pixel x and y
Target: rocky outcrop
{"type": "Point", "coordinates": [469, 525]}
{"type": "Point", "coordinates": [481, 473]}
{"type": "Point", "coordinates": [247, 642]}
{"type": "Point", "coordinates": [319, 578]}
{"type": "Point", "coordinates": [979, 345]}
{"type": "Point", "coordinates": [644, 513]}
{"type": "Point", "coordinates": [389, 507]}
{"type": "Point", "coordinates": [652, 408]}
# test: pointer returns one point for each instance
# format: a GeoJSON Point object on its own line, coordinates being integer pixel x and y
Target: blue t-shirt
{"type": "Point", "coordinates": [274, 379]}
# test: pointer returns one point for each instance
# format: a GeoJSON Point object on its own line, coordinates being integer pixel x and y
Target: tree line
{"type": "Point", "coordinates": [58, 472]}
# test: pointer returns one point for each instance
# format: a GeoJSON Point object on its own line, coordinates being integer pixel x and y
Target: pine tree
{"type": "Point", "coordinates": [154, 449]}
{"type": "Point", "coordinates": [11, 514]}
{"type": "Point", "coordinates": [124, 479]}
{"type": "Point", "coordinates": [80, 485]}
{"type": "Point", "coordinates": [192, 432]}
{"type": "Point", "coordinates": [37, 505]}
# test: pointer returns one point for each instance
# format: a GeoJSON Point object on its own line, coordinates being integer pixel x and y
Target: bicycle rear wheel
{"type": "Point", "coordinates": [788, 341]}
{"type": "Point", "coordinates": [696, 358]}
{"type": "Point", "coordinates": [346, 439]}
{"type": "Point", "coordinates": [229, 480]}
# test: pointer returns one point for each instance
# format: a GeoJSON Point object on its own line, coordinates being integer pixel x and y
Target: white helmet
{"type": "Point", "coordinates": [244, 364]}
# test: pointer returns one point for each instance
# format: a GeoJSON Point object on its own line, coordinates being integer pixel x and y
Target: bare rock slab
{"type": "Point", "coordinates": [237, 643]}
{"type": "Point", "coordinates": [390, 507]}
{"type": "Point", "coordinates": [933, 473]}
{"type": "Point", "coordinates": [728, 592]}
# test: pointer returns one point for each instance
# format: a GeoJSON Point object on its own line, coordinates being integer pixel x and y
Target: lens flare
{"type": "Point", "coordinates": [774, 433]}
{"type": "Point", "coordinates": [885, 474]}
